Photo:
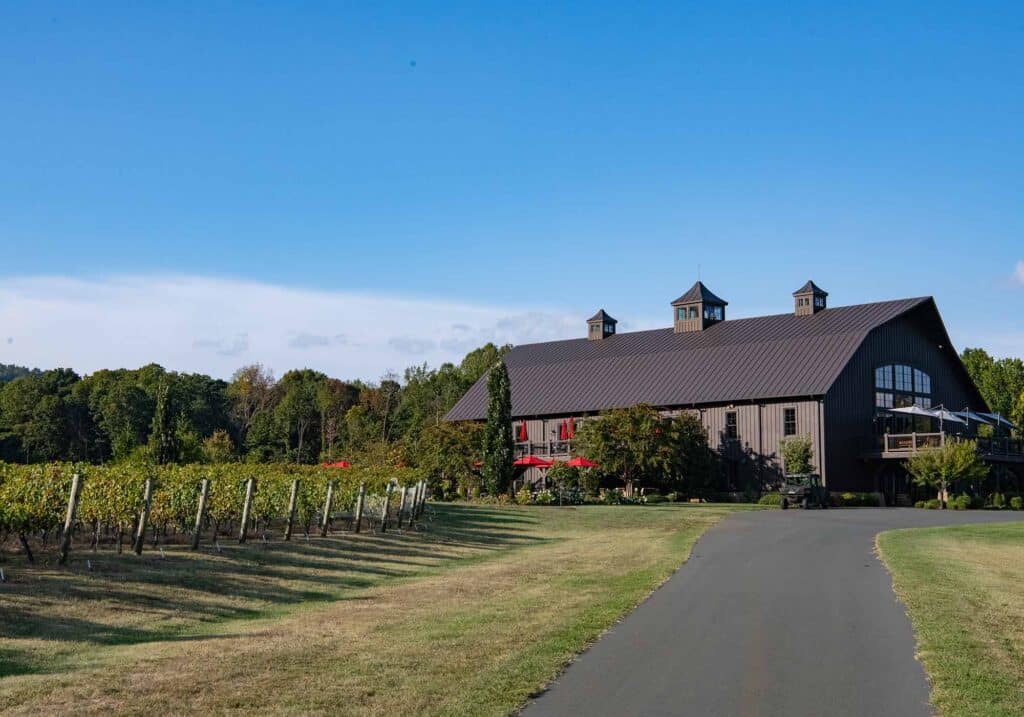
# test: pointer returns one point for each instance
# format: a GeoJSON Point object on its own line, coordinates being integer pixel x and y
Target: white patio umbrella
{"type": "Point", "coordinates": [972, 416]}
{"type": "Point", "coordinates": [914, 410]}
{"type": "Point", "coordinates": [943, 415]}
{"type": "Point", "coordinates": [1000, 420]}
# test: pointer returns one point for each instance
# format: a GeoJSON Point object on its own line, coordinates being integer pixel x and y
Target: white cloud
{"type": "Point", "coordinates": [214, 325]}
{"type": "Point", "coordinates": [1018, 274]}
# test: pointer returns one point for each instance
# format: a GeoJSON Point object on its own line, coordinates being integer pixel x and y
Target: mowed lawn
{"type": "Point", "coordinates": [469, 616]}
{"type": "Point", "coordinates": [964, 589]}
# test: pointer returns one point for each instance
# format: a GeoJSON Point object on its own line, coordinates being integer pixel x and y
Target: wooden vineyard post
{"type": "Point", "coordinates": [423, 498]}
{"type": "Point", "coordinates": [69, 520]}
{"type": "Point", "coordinates": [384, 512]}
{"type": "Point", "coordinates": [359, 507]}
{"type": "Point", "coordinates": [250, 488]}
{"type": "Point", "coordinates": [327, 509]}
{"type": "Point", "coordinates": [204, 494]}
{"type": "Point", "coordinates": [140, 530]}
{"type": "Point", "coordinates": [401, 507]}
{"type": "Point", "coordinates": [292, 505]}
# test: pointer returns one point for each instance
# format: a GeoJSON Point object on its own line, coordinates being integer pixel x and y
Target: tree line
{"type": "Point", "coordinates": [158, 416]}
{"type": "Point", "coordinates": [1000, 381]}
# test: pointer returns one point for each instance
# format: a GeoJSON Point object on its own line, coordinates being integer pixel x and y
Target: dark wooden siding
{"type": "Point", "coordinates": [749, 461]}
{"type": "Point", "coordinates": [916, 339]}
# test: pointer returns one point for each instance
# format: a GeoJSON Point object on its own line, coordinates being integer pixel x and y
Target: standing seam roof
{"type": "Point", "coordinates": [758, 358]}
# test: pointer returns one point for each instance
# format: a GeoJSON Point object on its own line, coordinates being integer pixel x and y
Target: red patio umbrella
{"type": "Point", "coordinates": [581, 462]}
{"type": "Point", "coordinates": [572, 428]}
{"type": "Point", "coordinates": [563, 431]}
{"type": "Point", "coordinates": [523, 435]}
{"type": "Point", "coordinates": [532, 462]}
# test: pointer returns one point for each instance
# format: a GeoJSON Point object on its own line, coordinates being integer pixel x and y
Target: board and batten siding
{"type": "Point", "coordinates": [760, 428]}
{"type": "Point", "coordinates": [754, 455]}
{"type": "Point", "coordinates": [915, 339]}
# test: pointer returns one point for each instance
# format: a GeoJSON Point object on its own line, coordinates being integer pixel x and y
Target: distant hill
{"type": "Point", "coordinates": [9, 372]}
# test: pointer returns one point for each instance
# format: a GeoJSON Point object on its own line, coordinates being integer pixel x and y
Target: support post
{"type": "Point", "coordinates": [384, 512]}
{"type": "Point", "coordinates": [327, 509]}
{"type": "Point", "coordinates": [360, 501]}
{"type": "Point", "coordinates": [401, 506]}
{"type": "Point", "coordinates": [140, 530]}
{"type": "Point", "coordinates": [423, 498]}
{"type": "Point", "coordinates": [292, 505]}
{"type": "Point", "coordinates": [243, 530]}
{"type": "Point", "coordinates": [69, 519]}
{"type": "Point", "coordinates": [204, 494]}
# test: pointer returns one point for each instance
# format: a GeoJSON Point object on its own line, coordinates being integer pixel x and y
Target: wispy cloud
{"type": "Point", "coordinates": [214, 325]}
{"type": "Point", "coordinates": [235, 346]}
{"type": "Point", "coordinates": [306, 340]}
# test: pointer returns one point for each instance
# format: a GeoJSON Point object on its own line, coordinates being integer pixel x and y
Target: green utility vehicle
{"type": "Point", "coordinates": [804, 490]}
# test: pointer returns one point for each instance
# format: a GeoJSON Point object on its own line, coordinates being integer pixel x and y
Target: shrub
{"type": "Point", "coordinates": [919, 504]}
{"type": "Point", "coordinates": [654, 498]}
{"type": "Point", "coordinates": [674, 497]}
{"type": "Point", "coordinates": [770, 499]}
{"type": "Point", "coordinates": [545, 497]}
{"type": "Point", "coordinates": [997, 501]}
{"type": "Point", "coordinates": [1017, 503]}
{"type": "Point", "coordinates": [524, 495]}
{"type": "Point", "coordinates": [960, 502]}
{"type": "Point", "coordinates": [857, 500]}
{"type": "Point", "coordinates": [932, 504]}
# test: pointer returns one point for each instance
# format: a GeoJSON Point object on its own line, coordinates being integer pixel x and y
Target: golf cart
{"type": "Point", "coordinates": [804, 490]}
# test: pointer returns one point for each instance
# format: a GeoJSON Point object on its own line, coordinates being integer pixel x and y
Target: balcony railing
{"type": "Point", "coordinates": [910, 443]}
{"type": "Point", "coordinates": [543, 449]}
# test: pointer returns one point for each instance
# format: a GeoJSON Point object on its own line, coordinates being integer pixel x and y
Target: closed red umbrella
{"type": "Point", "coordinates": [563, 431]}
{"type": "Point", "coordinates": [581, 462]}
{"type": "Point", "coordinates": [572, 428]}
{"type": "Point", "coordinates": [523, 435]}
{"type": "Point", "coordinates": [532, 462]}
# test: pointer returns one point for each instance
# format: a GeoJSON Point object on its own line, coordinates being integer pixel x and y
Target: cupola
{"type": "Point", "coordinates": [600, 326]}
{"type": "Point", "coordinates": [809, 299]}
{"type": "Point", "coordinates": [697, 309]}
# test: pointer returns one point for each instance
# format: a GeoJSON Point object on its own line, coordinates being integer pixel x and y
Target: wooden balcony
{"type": "Point", "coordinates": [544, 449]}
{"type": "Point", "coordinates": [904, 445]}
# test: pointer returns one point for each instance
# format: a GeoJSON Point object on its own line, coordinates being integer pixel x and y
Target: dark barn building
{"type": "Point", "coordinates": [827, 373]}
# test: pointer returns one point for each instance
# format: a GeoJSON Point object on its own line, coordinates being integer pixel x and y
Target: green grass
{"type": "Point", "coordinates": [964, 591]}
{"type": "Point", "coordinates": [470, 616]}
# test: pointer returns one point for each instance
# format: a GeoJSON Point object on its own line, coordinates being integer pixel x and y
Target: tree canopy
{"type": "Point", "coordinates": [162, 416]}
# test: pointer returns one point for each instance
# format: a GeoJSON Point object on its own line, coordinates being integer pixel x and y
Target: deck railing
{"type": "Point", "coordinates": [910, 443]}
{"type": "Point", "coordinates": [543, 449]}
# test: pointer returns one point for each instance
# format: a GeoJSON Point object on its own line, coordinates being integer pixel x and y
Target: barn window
{"type": "Point", "coordinates": [789, 421]}
{"type": "Point", "coordinates": [731, 430]}
{"type": "Point", "coordinates": [897, 385]}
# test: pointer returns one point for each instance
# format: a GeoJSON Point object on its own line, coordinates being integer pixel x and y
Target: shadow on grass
{"type": "Point", "coordinates": [169, 598]}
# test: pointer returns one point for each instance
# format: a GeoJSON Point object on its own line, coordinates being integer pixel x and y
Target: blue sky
{"type": "Point", "coordinates": [507, 169]}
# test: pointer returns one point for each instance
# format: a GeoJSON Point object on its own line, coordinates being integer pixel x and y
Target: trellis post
{"type": "Point", "coordinates": [327, 509]}
{"type": "Point", "coordinates": [204, 493]}
{"type": "Point", "coordinates": [292, 505]}
{"type": "Point", "coordinates": [147, 502]}
{"type": "Point", "coordinates": [250, 488]}
{"type": "Point", "coordinates": [387, 506]}
{"type": "Point", "coordinates": [360, 501]}
{"type": "Point", "coordinates": [69, 520]}
{"type": "Point", "coordinates": [401, 506]}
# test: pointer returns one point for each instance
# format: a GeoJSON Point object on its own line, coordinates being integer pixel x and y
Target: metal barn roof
{"type": "Point", "coordinates": [765, 357]}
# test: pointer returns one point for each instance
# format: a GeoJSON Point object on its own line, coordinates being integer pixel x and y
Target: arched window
{"type": "Point", "coordinates": [898, 385]}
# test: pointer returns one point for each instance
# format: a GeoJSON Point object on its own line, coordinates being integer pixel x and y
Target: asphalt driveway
{"type": "Point", "coordinates": [776, 613]}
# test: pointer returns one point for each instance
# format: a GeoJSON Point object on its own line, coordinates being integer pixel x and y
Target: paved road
{"type": "Point", "coordinates": [776, 613]}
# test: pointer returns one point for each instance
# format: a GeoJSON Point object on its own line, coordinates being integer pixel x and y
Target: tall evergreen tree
{"type": "Point", "coordinates": [498, 445]}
